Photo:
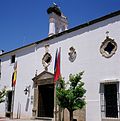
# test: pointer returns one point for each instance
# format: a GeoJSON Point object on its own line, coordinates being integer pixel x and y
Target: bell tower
{"type": "Point", "coordinates": [57, 21]}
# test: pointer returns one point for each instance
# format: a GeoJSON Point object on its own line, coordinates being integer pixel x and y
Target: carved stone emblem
{"type": "Point", "coordinates": [72, 54]}
{"type": "Point", "coordinates": [47, 58]}
{"type": "Point", "coordinates": [108, 47]}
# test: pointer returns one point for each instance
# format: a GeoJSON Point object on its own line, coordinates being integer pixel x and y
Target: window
{"type": "Point", "coordinates": [108, 47]}
{"type": "Point", "coordinates": [13, 59]}
{"type": "Point", "coordinates": [46, 60]}
{"type": "Point", "coordinates": [109, 99]}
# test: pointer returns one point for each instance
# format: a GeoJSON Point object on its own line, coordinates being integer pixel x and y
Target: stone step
{"type": "Point", "coordinates": [44, 118]}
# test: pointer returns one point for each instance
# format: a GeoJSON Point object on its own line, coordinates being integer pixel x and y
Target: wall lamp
{"type": "Point", "coordinates": [27, 90]}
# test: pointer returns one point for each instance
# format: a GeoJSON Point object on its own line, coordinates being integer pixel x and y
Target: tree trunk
{"type": "Point", "coordinates": [71, 115]}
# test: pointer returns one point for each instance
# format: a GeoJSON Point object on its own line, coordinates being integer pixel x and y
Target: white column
{"type": "Point", "coordinates": [66, 27]}
{"type": "Point", "coordinates": [51, 27]}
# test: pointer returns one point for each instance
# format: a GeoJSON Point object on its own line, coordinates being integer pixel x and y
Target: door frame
{"type": "Point", "coordinates": [43, 78]}
{"type": "Point", "coordinates": [102, 97]}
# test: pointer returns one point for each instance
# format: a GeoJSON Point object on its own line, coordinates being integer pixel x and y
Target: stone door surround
{"type": "Point", "coordinates": [43, 78]}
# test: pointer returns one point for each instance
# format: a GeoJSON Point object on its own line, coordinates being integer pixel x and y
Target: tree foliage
{"type": "Point", "coordinates": [2, 95]}
{"type": "Point", "coordinates": [70, 95]}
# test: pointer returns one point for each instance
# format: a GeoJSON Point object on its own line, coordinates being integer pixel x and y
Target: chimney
{"type": "Point", "coordinates": [57, 21]}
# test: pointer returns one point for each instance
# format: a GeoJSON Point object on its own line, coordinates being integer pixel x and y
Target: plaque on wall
{"type": "Point", "coordinates": [72, 54]}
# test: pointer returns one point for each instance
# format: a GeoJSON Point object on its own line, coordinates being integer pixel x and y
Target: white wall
{"type": "Point", "coordinates": [87, 42]}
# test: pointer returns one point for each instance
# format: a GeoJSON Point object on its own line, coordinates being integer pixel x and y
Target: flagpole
{"type": "Point", "coordinates": [56, 78]}
{"type": "Point", "coordinates": [13, 87]}
{"type": "Point", "coordinates": [13, 95]}
{"type": "Point", "coordinates": [55, 105]}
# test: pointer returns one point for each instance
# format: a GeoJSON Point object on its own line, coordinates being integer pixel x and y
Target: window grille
{"type": "Point", "coordinates": [103, 101]}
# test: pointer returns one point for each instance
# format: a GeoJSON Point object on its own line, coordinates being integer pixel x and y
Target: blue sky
{"type": "Point", "coordinates": [25, 21]}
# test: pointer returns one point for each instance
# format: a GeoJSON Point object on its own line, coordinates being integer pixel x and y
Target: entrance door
{"type": "Point", "coordinates": [8, 103]}
{"type": "Point", "coordinates": [46, 100]}
{"type": "Point", "coordinates": [111, 100]}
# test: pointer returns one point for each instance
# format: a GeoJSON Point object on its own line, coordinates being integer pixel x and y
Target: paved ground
{"type": "Point", "coordinates": [7, 119]}
{"type": "Point", "coordinates": [19, 120]}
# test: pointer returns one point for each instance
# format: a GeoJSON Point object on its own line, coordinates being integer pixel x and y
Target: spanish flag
{"type": "Point", "coordinates": [14, 75]}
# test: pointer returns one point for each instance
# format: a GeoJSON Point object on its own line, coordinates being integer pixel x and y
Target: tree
{"type": "Point", "coordinates": [71, 95]}
{"type": "Point", "coordinates": [2, 95]}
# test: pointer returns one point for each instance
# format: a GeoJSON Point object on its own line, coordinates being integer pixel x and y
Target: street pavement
{"type": "Point", "coordinates": [14, 119]}
{"type": "Point", "coordinates": [7, 119]}
{"type": "Point", "coordinates": [19, 120]}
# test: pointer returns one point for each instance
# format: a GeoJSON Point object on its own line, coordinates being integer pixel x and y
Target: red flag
{"type": "Point", "coordinates": [57, 67]}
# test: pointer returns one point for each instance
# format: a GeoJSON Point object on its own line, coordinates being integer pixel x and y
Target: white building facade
{"type": "Point", "coordinates": [96, 51]}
